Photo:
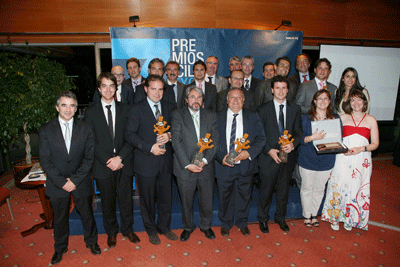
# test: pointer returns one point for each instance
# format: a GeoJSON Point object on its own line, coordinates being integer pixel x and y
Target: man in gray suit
{"type": "Point", "coordinates": [212, 64]}
{"type": "Point", "coordinates": [307, 89]}
{"type": "Point", "coordinates": [172, 71]}
{"type": "Point", "coordinates": [188, 125]}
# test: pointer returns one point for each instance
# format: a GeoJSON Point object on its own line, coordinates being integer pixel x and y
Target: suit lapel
{"type": "Point", "coordinates": [246, 123]}
{"type": "Point", "coordinates": [223, 135]}
{"type": "Point", "coordinates": [74, 137]}
{"type": "Point", "coordinates": [187, 119]}
{"type": "Point", "coordinates": [274, 121]}
{"type": "Point", "coordinates": [59, 135]}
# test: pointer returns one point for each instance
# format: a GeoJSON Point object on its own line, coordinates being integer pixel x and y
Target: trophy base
{"type": "Point", "coordinates": [162, 146]}
{"type": "Point", "coordinates": [230, 159]}
{"type": "Point", "coordinates": [283, 156]}
{"type": "Point", "coordinates": [198, 159]}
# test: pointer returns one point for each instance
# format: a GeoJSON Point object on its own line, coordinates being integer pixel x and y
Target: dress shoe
{"type": "Point", "coordinates": [57, 256]}
{"type": "Point", "coordinates": [95, 249]}
{"type": "Point", "coordinates": [154, 239]}
{"type": "Point", "coordinates": [264, 227]}
{"type": "Point", "coordinates": [224, 231]}
{"type": "Point", "coordinates": [282, 225]}
{"type": "Point", "coordinates": [245, 231]}
{"type": "Point", "coordinates": [185, 235]}
{"type": "Point", "coordinates": [208, 233]}
{"type": "Point", "coordinates": [111, 241]}
{"type": "Point", "coordinates": [171, 235]}
{"type": "Point", "coordinates": [132, 237]}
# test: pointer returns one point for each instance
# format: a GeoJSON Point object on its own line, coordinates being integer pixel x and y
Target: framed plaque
{"type": "Point", "coordinates": [332, 143]}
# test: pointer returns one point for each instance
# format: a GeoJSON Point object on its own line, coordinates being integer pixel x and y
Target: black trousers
{"type": "Point", "coordinates": [60, 208]}
{"type": "Point", "coordinates": [116, 186]}
{"type": "Point", "coordinates": [156, 199]}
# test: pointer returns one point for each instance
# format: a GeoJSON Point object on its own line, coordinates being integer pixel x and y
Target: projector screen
{"type": "Point", "coordinates": [378, 71]}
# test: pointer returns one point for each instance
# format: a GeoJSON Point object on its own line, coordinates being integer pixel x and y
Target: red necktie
{"type": "Point", "coordinates": [305, 78]}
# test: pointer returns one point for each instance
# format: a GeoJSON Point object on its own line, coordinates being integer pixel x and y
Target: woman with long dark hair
{"type": "Point", "coordinates": [348, 81]}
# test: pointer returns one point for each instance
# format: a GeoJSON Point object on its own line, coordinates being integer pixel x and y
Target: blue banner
{"type": "Point", "coordinates": [186, 46]}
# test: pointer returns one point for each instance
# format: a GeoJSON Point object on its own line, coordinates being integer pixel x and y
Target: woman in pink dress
{"type": "Point", "coordinates": [348, 192]}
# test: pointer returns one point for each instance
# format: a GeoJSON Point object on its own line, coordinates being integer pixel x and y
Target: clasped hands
{"type": "Point", "coordinates": [161, 139]}
{"type": "Point", "coordinates": [243, 155]}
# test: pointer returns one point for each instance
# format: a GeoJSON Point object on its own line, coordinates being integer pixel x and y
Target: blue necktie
{"type": "Point", "coordinates": [233, 133]}
{"type": "Point", "coordinates": [281, 119]}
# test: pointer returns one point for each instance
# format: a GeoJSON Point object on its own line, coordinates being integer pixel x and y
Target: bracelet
{"type": "Point", "coordinates": [366, 148]}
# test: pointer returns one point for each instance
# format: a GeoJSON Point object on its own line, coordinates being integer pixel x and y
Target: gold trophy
{"type": "Point", "coordinates": [241, 144]}
{"type": "Point", "coordinates": [204, 143]}
{"type": "Point", "coordinates": [160, 128]}
{"type": "Point", "coordinates": [284, 140]}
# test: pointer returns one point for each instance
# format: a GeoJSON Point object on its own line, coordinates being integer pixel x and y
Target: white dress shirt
{"type": "Point", "coordinates": [277, 108]}
{"type": "Point", "coordinates": [104, 104]}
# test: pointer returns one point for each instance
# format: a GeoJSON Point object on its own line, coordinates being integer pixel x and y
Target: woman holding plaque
{"type": "Point", "coordinates": [315, 169]}
{"type": "Point", "coordinates": [347, 197]}
{"type": "Point", "coordinates": [348, 81]}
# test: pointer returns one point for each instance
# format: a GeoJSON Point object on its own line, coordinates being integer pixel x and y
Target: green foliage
{"type": "Point", "coordinates": [28, 91]}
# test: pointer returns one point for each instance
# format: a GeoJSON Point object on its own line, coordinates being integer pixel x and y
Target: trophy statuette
{"type": "Point", "coordinates": [241, 143]}
{"type": "Point", "coordinates": [204, 143]}
{"type": "Point", "coordinates": [284, 140]}
{"type": "Point", "coordinates": [160, 128]}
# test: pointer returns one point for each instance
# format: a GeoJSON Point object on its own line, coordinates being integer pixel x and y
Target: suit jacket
{"type": "Point", "coordinates": [181, 92]}
{"type": "Point", "coordinates": [306, 94]}
{"type": "Point", "coordinates": [253, 127]}
{"type": "Point", "coordinates": [127, 95]}
{"type": "Point", "coordinates": [59, 165]}
{"type": "Point", "coordinates": [269, 121]}
{"type": "Point", "coordinates": [168, 95]}
{"type": "Point", "coordinates": [248, 102]}
{"type": "Point", "coordinates": [263, 93]}
{"type": "Point", "coordinates": [210, 96]}
{"type": "Point", "coordinates": [104, 147]}
{"type": "Point", "coordinates": [221, 83]}
{"type": "Point", "coordinates": [140, 133]}
{"type": "Point", "coordinates": [253, 83]}
{"type": "Point", "coordinates": [184, 140]}
{"type": "Point", "coordinates": [296, 78]}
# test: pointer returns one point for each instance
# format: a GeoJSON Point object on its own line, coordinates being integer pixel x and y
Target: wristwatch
{"type": "Point", "coordinates": [366, 148]}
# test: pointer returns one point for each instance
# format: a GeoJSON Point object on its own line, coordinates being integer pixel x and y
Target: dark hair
{"type": "Point", "coordinates": [352, 94]}
{"type": "Point", "coordinates": [342, 88]}
{"type": "Point", "coordinates": [199, 62]}
{"type": "Point", "coordinates": [67, 94]}
{"type": "Point", "coordinates": [156, 60]}
{"type": "Point", "coordinates": [283, 58]}
{"type": "Point", "coordinates": [107, 75]}
{"type": "Point", "coordinates": [152, 78]}
{"type": "Point", "coordinates": [266, 64]}
{"type": "Point", "coordinates": [319, 61]}
{"type": "Point", "coordinates": [313, 108]}
{"type": "Point", "coordinates": [133, 59]}
{"type": "Point", "coordinates": [173, 63]}
{"type": "Point", "coordinates": [279, 79]}
{"type": "Point", "coordinates": [303, 54]}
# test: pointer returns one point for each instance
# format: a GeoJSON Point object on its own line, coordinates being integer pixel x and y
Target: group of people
{"type": "Point", "coordinates": [237, 116]}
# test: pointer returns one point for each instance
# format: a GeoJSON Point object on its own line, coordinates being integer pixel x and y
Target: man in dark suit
{"type": "Point", "coordinates": [189, 124]}
{"type": "Point", "coordinates": [112, 169]}
{"type": "Point", "coordinates": [152, 162]}
{"type": "Point", "coordinates": [123, 94]}
{"type": "Point", "coordinates": [156, 67]}
{"type": "Point", "coordinates": [236, 82]}
{"type": "Point", "coordinates": [133, 67]}
{"type": "Point", "coordinates": [276, 116]}
{"type": "Point", "coordinates": [250, 82]}
{"type": "Point", "coordinates": [172, 71]}
{"type": "Point", "coordinates": [307, 89]}
{"type": "Point", "coordinates": [235, 181]}
{"type": "Point", "coordinates": [209, 90]}
{"type": "Point", "coordinates": [263, 93]}
{"type": "Point", "coordinates": [66, 153]}
{"type": "Point", "coordinates": [212, 64]}
{"type": "Point", "coordinates": [303, 63]}
{"type": "Point", "coordinates": [268, 70]}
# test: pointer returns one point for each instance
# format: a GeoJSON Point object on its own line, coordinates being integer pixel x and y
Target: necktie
{"type": "Point", "coordinates": [201, 86]}
{"type": "Point", "coordinates": [233, 133]}
{"type": "Point", "coordinates": [135, 84]}
{"type": "Point", "coordinates": [321, 85]}
{"type": "Point", "coordinates": [158, 113]}
{"type": "Point", "coordinates": [196, 125]}
{"type": "Point", "coordinates": [67, 136]}
{"type": "Point", "coordinates": [304, 78]}
{"type": "Point", "coordinates": [281, 119]}
{"type": "Point", "coordinates": [115, 95]}
{"type": "Point", "coordinates": [210, 79]}
{"type": "Point", "coordinates": [110, 121]}
{"type": "Point", "coordinates": [247, 84]}
{"type": "Point", "coordinates": [175, 91]}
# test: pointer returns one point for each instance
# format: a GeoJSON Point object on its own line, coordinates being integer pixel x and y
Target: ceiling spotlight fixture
{"type": "Point", "coordinates": [134, 19]}
{"type": "Point", "coordinates": [287, 23]}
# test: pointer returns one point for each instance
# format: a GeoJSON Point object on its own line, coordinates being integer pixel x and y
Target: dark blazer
{"type": "Point", "coordinates": [306, 93]}
{"type": "Point", "coordinates": [252, 126]}
{"type": "Point", "coordinates": [181, 92]}
{"type": "Point", "coordinates": [59, 165]}
{"type": "Point", "coordinates": [253, 83]}
{"type": "Point", "coordinates": [296, 78]}
{"type": "Point", "coordinates": [140, 133]}
{"type": "Point", "coordinates": [168, 95]}
{"type": "Point", "coordinates": [210, 96]}
{"type": "Point", "coordinates": [127, 95]}
{"type": "Point", "coordinates": [263, 93]}
{"type": "Point", "coordinates": [248, 102]}
{"type": "Point", "coordinates": [268, 117]}
{"type": "Point", "coordinates": [184, 140]}
{"type": "Point", "coordinates": [104, 148]}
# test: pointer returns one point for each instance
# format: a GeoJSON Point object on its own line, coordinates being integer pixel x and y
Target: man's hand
{"type": "Point", "coordinates": [69, 186]}
{"type": "Point", "coordinates": [194, 168]}
{"type": "Point", "coordinates": [274, 155]}
{"type": "Point", "coordinates": [163, 138]}
{"type": "Point", "coordinates": [114, 163]}
{"type": "Point", "coordinates": [224, 161]}
{"type": "Point", "coordinates": [243, 155]}
{"type": "Point", "coordinates": [156, 150]}
{"type": "Point", "coordinates": [288, 148]}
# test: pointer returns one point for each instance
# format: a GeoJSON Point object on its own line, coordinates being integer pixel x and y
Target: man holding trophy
{"type": "Point", "coordinates": [194, 126]}
{"type": "Point", "coordinates": [242, 139]}
{"type": "Point", "coordinates": [280, 119]}
{"type": "Point", "coordinates": [146, 128]}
